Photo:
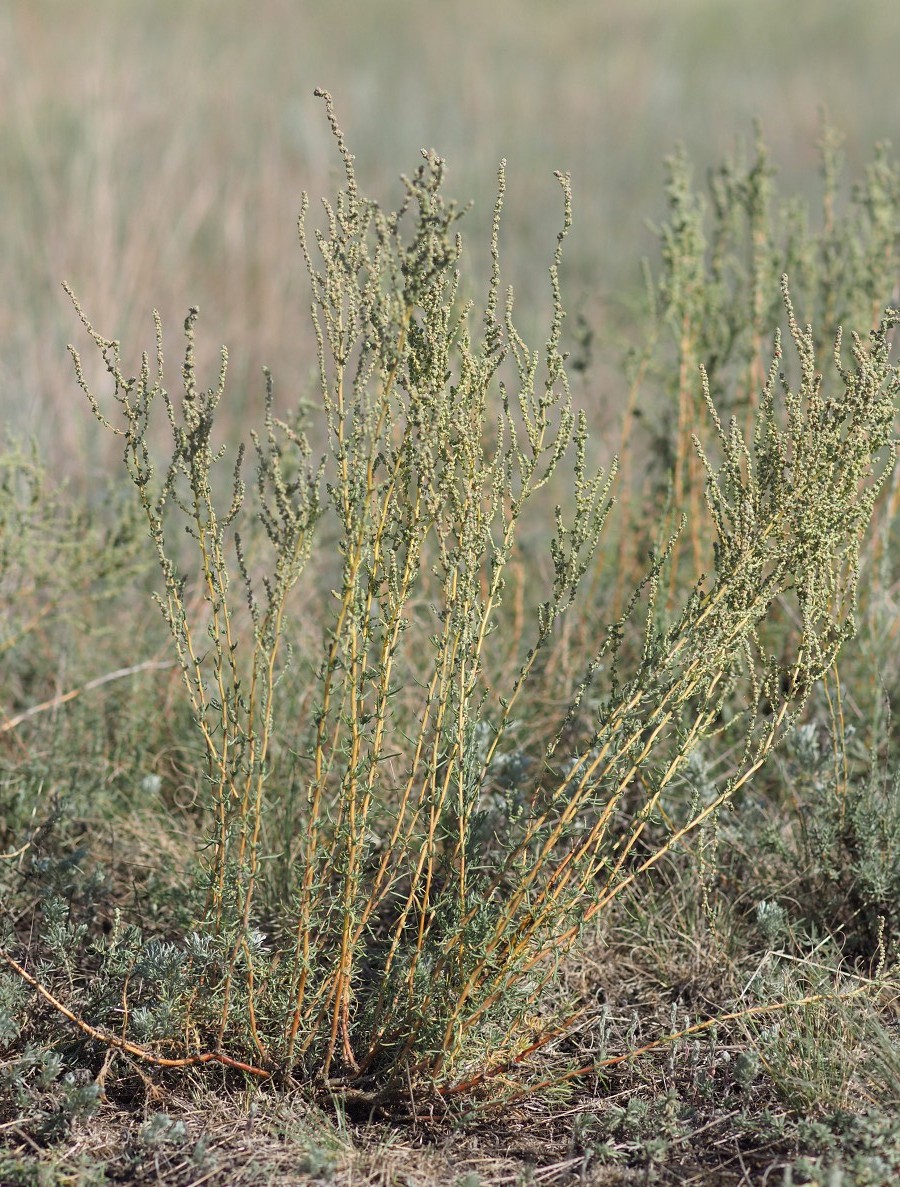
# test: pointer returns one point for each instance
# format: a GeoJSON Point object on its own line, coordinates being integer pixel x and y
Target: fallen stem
{"type": "Point", "coordinates": [121, 1044]}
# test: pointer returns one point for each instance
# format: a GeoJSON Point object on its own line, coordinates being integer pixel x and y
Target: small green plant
{"type": "Point", "coordinates": [435, 870]}
{"type": "Point", "coordinates": [838, 851]}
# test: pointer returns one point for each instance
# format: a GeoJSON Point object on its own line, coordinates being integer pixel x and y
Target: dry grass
{"type": "Point", "coordinates": [153, 156]}
{"type": "Point", "coordinates": [697, 1112]}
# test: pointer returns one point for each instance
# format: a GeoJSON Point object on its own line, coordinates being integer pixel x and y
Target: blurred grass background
{"type": "Point", "coordinates": [154, 154]}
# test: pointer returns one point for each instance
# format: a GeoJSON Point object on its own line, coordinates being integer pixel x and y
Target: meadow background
{"type": "Point", "coordinates": [154, 156]}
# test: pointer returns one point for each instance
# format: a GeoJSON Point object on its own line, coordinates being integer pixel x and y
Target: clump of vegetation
{"type": "Point", "coordinates": [394, 840]}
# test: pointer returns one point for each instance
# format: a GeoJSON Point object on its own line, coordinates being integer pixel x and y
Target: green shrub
{"type": "Point", "coordinates": [835, 858]}
{"type": "Point", "coordinates": [391, 879]}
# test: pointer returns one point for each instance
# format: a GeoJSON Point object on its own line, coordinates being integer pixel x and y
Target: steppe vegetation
{"type": "Point", "coordinates": [429, 788]}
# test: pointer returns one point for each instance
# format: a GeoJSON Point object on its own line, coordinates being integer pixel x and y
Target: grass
{"type": "Point", "coordinates": [191, 197]}
{"type": "Point", "coordinates": [431, 836]}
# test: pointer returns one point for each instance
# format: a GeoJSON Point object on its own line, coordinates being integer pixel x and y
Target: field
{"type": "Point", "coordinates": [449, 737]}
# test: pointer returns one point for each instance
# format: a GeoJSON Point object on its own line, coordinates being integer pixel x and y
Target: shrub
{"type": "Point", "coordinates": [435, 868]}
